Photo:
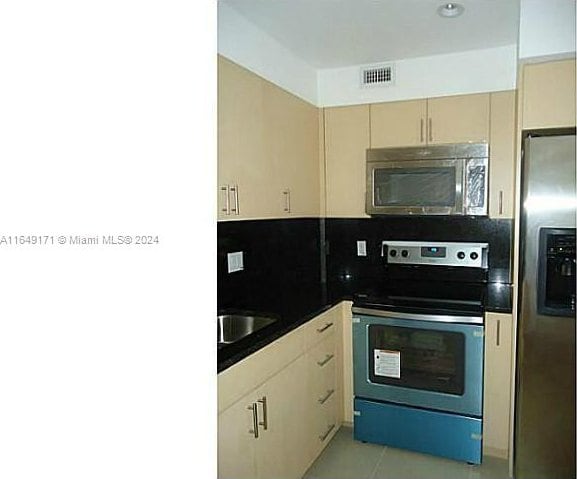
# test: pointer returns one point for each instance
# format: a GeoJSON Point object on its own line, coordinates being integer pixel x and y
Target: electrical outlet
{"type": "Point", "coordinates": [235, 261]}
{"type": "Point", "coordinates": [361, 248]}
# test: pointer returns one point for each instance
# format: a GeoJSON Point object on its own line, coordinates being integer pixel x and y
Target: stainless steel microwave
{"type": "Point", "coordinates": [433, 180]}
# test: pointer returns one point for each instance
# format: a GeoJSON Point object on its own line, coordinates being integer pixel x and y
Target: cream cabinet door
{"type": "Point", "coordinates": [497, 384]}
{"type": "Point", "coordinates": [243, 161]}
{"type": "Point", "coordinates": [346, 142]}
{"type": "Point", "coordinates": [292, 144]}
{"type": "Point", "coordinates": [549, 95]}
{"type": "Point", "coordinates": [236, 440]}
{"type": "Point", "coordinates": [458, 119]}
{"type": "Point", "coordinates": [281, 453]}
{"type": "Point", "coordinates": [400, 123]}
{"type": "Point", "coordinates": [502, 155]}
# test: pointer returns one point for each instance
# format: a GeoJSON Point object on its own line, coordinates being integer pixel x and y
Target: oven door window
{"type": "Point", "coordinates": [417, 358]}
{"type": "Point", "coordinates": [415, 186]}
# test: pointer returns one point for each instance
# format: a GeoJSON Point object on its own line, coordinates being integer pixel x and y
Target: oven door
{"type": "Point", "coordinates": [421, 187]}
{"type": "Point", "coordinates": [428, 361]}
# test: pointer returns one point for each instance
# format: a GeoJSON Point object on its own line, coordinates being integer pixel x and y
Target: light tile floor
{"type": "Point", "coordinates": [345, 458]}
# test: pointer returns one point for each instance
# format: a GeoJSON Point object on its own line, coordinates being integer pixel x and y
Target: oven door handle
{"type": "Point", "coordinates": [436, 318]}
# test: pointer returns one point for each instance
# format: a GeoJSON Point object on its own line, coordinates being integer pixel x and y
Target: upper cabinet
{"type": "Point", "coordinates": [291, 139]}
{"type": "Point", "coordinates": [268, 162]}
{"type": "Point", "coordinates": [346, 142]}
{"type": "Point", "coordinates": [502, 155]}
{"type": "Point", "coordinates": [453, 119]}
{"type": "Point", "coordinates": [399, 123]}
{"type": "Point", "coordinates": [548, 95]}
{"type": "Point", "coordinates": [458, 119]}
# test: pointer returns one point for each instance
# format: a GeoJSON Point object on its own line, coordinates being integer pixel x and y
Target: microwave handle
{"type": "Point", "coordinates": [465, 184]}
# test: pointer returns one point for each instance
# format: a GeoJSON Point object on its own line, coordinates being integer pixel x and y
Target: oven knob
{"type": "Point", "coordinates": [474, 255]}
{"type": "Point", "coordinates": [461, 255]}
{"type": "Point", "coordinates": [393, 253]}
{"type": "Point", "coordinates": [404, 253]}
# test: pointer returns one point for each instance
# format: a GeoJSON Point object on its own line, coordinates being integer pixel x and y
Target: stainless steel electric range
{"type": "Point", "coordinates": [418, 346]}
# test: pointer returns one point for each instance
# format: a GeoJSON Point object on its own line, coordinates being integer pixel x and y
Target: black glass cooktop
{"type": "Point", "coordinates": [425, 297]}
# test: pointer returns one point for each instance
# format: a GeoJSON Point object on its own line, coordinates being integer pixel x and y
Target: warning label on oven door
{"type": "Point", "coordinates": [387, 363]}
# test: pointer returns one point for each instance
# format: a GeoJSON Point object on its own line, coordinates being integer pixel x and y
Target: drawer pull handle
{"type": "Point", "coordinates": [326, 360]}
{"type": "Point", "coordinates": [264, 422]}
{"type": "Point", "coordinates": [324, 328]}
{"type": "Point", "coordinates": [500, 202]}
{"type": "Point", "coordinates": [498, 332]}
{"type": "Point", "coordinates": [330, 392]}
{"type": "Point", "coordinates": [254, 430]}
{"type": "Point", "coordinates": [326, 434]}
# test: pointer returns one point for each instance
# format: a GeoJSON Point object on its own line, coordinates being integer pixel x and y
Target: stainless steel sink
{"type": "Point", "coordinates": [233, 327]}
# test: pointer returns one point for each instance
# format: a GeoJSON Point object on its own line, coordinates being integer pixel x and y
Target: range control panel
{"type": "Point", "coordinates": [472, 255]}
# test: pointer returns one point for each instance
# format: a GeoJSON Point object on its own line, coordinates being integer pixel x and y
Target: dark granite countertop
{"type": "Point", "coordinates": [230, 354]}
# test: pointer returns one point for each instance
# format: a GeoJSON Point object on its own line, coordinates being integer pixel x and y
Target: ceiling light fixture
{"type": "Point", "coordinates": [450, 10]}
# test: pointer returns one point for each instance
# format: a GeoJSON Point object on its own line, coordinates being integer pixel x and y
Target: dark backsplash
{"type": "Point", "coordinates": [286, 273]}
{"type": "Point", "coordinates": [348, 273]}
{"type": "Point", "coordinates": [282, 266]}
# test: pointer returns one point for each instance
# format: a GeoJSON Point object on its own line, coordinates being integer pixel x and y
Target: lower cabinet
{"type": "Point", "coordinates": [281, 426]}
{"type": "Point", "coordinates": [322, 395]}
{"type": "Point", "coordinates": [497, 384]}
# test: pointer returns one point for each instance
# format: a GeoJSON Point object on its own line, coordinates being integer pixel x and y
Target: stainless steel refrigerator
{"type": "Point", "coordinates": [545, 406]}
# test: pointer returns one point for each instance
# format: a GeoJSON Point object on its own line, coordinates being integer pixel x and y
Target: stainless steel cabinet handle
{"type": "Point", "coordinates": [322, 437]}
{"type": "Point", "coordinates": [324, 328]}
{"type": "Point", "coordinates": [226, 209]}
{"type": "Point", "coordinates": [430, 129]}
{"type": "Point", "coordinates": [498, 332]}
{"type": "Point", "coordinates": [422, 130]}
{"type": "Point", "coordinates": [254, 430]}
{"type": "Point", "coordinates": [500, 202]}
{"type": "Point", "coordinates": [234, 191]}
{"type": "Point", "coordinates": [326, 360]}
{"type": "Point", "coordinates": [264, 422]}
{"type": "Point", "coordinates": [287, 200]}
{"type": "Point", "coordinates": [330, 392]}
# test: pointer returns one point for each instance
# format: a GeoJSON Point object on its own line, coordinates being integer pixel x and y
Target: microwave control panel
{"type": "Point", "coordinates": [472, 255]}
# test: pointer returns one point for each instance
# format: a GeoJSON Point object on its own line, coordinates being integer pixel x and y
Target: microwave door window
{"type": "Point", "coordinates": [409, 187]}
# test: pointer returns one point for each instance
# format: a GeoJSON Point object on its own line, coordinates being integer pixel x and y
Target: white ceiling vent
{"type": "Point", "coordinates": [378, 75]}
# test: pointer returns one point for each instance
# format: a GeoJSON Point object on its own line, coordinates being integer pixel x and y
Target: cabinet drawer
{"type": "Point", "coordinates": [322, 367]}
{"type": "Point", "coordinates": [326, 423]}
{"type": "Point", "coordinates": [321, 327]}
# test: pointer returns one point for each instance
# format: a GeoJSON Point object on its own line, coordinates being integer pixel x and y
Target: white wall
{"type": "Point", "coordinates": [474, 71]}
{"type": "Point", "coordinates": [546, 29]}
{"type": "Point", "coordinates": [245, 44]}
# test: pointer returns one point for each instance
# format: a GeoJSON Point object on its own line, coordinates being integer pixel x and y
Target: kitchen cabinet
{"type": "Point", "coordinates": [497, 384]}
{"type": "Point", "coordinates": [324, 392]}
{"type": "Point", "coordinates": [399, 123]}
{"type": "Point", "coordinates": [291, 139]}
{"type": "Point", "coordinates": [268, 165]}
{"type": "Point", "coordinates": [270, 410]}
{"type": "Point", "coordinates": [451, 119]}
{"type": "Point", "coordinates": [236, 442]}
{"type": "Point", "coordinates": [346, 142]}
{"type": "Point", "coordinates": [292, 386]}
{"type": "Point", "coordinates": [548, 99]}
{"type": "Point", "coordinates": [502, 155]}
{"type": "Point", "coordinates": [347, 362]}
{"type": "Point", "coordinates": [458, 119]}
{"type": "Point", "coordinates": [242, 161]}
